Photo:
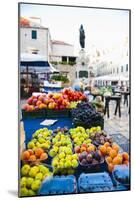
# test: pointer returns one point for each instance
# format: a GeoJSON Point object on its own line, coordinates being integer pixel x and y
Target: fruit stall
{"type": "Point", "coordinates": [71, 155]}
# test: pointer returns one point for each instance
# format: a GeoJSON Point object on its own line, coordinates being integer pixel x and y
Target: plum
{"type": "Point", "coordinates": [80, 157]}
{"type": "Point", "coordinates": [84, 154]}
{"type": "Point", "coordinates": [84, 162]}
{"type": "Point", "coordinates": [97, 156]}
{"type": "Point", "coordinates": [89, 158]}
{"type": "Point", "coordinates": [95, 162]}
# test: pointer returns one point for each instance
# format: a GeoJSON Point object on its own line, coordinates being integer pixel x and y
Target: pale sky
{"type": "Point", "coordinates": [104, 28]}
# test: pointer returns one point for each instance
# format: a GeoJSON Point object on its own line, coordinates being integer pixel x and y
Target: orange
{"type": "Point", "coordinates": [107, 144]}
{"type": "Point", "coordinates": [32, 158]}
{"type": "Point", "coordinates": [103, 149]}
{"type": "Point", "coordinates": [125, 156]}
{"type": "Point", "coordinates": [110, 167]}
{"type": "Point", "coordinates": [115, 147]}
{"type": "Point", "coordinates": [108, 150]}
{"type": "Point", "coordinates": [31, 151]}
{"type": "Point", "coordinates": [109, 159]}
{"type": "Point", "coordinates": [38, 152]}
{"type": "Point", "coordinates": [44, 156]}
{"type": "Point", "coordinates": [25, 155]}
{"type": "Point", "coordinates": [112, 153]}
{"type": "Point", "coordinates": [117, 160]}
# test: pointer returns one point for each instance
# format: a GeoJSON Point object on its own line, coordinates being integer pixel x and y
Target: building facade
{"type": "Point", "coordinates": [35, 39]}
{"type": "Point", "coordinates": [112, 66]}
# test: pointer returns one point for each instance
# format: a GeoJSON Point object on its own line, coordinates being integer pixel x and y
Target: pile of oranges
{"type": "Point", "coordinates": [113, 157]}
{"type": "Point", "coordinates": [34, 155]}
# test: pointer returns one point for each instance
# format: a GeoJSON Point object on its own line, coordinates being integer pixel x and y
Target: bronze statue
{"type": "Point", "coordinates": [82, 36]}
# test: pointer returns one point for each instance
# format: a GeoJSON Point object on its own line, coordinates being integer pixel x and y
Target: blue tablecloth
{"type": "Point", "coordinates": [31, 125]}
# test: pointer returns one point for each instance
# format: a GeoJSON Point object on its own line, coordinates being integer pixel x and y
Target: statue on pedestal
{"type": "Point", "coordinates": [82, 37]}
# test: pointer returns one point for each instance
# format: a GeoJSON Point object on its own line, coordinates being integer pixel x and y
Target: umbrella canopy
{"type": "Point", "coordinates": [36, 60]}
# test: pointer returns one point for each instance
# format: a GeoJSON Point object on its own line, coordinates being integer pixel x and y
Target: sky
{"type": "Point", "coordinates": [104, 28]}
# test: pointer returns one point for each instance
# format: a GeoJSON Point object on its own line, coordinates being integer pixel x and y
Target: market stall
{"type": "Point", "coordinates": [67, 149]}
{"type": "Point", "coordinates": [34, 69]}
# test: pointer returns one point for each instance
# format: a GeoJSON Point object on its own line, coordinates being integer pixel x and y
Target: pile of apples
{"type": "Point", "coordinates": [41, 139]}
{"type": "Point", "coordinates": [36, 155]}
{"type": "Point", "coordinates": [113, 156]}
{"type": "Point", "coordinates": [80, 136]}
{"type": "Point", "coordinates": [31, 179]}
{"type": "Point", "coordinates": [58, 101]}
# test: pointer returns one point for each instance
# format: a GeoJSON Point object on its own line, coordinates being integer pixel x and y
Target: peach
{"type": "Point", "coordinates": [43, 156]}
{"type": "Point", "coordinates": [32, 158]}
{"type": "Point", "coordinates": [38, 152]}
{"type": "Point", "coordinates": [113, 153]}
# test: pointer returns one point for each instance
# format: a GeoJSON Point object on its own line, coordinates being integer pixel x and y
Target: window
{"type": "Point", "coordinates": [64, 58]}
{"type": "Point", "coordinates": [117, 70]}
{"type": "Point", "coordinates": [76, 74]}
{"type": "Point", "coordinates": [126, 67]}
{"type": "Point", "coordinates": [34, 34]}
{"type": "Point", "coordinates": [113, 70]}
{"type": "Point", "coordinates": [83, 74]}
{"type": "Point", "coordinates": [121, 68]}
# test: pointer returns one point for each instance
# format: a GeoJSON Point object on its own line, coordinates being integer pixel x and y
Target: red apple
{"type": "Point", "coordinates": [45, 100]}
{"type": "Point", "coordinates": [29, 101]}
{"type": "Point", "coordinates": [34, 101]}
{"type": "Point", "coordinates": [30, 108]}
{"type": "Point", "coordinates": [38, 103]}
{"type": "Point", "coordinates": [40, 98]}
{"type": "Point", "coordinates": [36, 108]}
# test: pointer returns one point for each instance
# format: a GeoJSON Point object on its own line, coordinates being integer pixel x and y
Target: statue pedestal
{"type": "Point", "coordinates": [82, 68]}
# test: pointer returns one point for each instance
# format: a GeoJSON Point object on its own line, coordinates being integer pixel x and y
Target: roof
{"type": "Point", "coordinates": [60, 42]}
{"type": "Point", "coordinates": [27, 23]}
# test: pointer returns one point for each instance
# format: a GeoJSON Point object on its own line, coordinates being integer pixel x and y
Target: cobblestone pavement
{"type": "Point", "coordinates": [118, 127]}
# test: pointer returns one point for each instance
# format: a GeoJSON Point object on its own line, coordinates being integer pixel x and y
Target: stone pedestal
{"type": "Point", "coordinates": [82, 68]}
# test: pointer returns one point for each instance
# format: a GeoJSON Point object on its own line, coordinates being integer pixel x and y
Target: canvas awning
{"type": "Point", "coordinates": [111, 78]}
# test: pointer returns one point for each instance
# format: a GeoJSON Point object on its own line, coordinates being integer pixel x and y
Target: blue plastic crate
{"type": "Point", "coordinates": [121, 175]}
{"type": "Point", "coordinates": [59, 185]}
{"type": "Point", "coordinates": [95, 182]}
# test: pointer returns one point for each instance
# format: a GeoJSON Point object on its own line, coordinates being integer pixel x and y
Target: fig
{"type": "Point", "coordinates": [80, 157]}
